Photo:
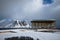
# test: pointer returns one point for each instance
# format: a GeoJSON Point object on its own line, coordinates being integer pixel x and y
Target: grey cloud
{"type": "Point", "coordinates": [15, 9]}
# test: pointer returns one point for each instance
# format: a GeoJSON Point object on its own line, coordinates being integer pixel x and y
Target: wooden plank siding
{"type": "Point", "coordinates": [43, 23]}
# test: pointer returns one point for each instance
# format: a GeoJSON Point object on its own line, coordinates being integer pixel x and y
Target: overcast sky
{"type": "Point", "coordinates": [30, 10]}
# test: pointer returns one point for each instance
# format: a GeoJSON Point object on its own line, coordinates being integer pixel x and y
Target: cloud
{"type": "Point", "coordinates": [29, 9]}
{"type": "Point", "coordinates": [33, 6]}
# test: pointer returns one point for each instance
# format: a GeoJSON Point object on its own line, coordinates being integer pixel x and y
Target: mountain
{"type": "Point", "coordinates": [14, 24]}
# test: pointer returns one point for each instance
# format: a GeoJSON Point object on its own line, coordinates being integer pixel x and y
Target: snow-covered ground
{"type": "Point", "coordinates": [30, 33]}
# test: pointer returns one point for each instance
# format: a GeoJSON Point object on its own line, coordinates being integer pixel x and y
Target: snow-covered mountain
{"type": "Point", "coordinates": [20, 24]}
{"type": "Point", "coordinates": [14, 24]}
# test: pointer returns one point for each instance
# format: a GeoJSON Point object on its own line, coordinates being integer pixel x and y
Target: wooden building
{"type": "Point", "coordinates": [43, 24]}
